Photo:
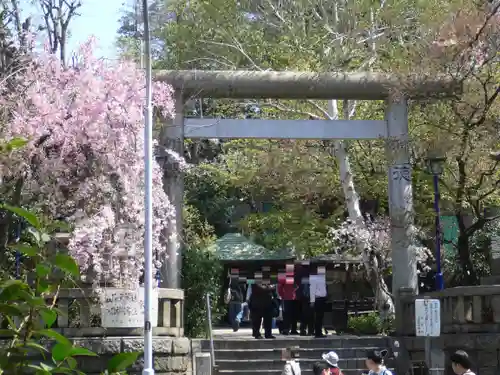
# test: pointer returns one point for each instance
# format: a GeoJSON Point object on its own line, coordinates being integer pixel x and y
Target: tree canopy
{"type": "Point", "coordinates": [302, 178]}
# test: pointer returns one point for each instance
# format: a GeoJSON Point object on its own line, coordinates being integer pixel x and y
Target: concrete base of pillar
{"type": "Point", "coordinates": [400, 319]}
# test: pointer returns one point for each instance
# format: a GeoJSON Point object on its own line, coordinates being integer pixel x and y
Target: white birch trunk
{"type": "Point", "coordinates": [383, 299]}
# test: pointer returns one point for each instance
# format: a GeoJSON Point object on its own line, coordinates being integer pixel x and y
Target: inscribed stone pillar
{"type": "Point", "coordinates": [172, 137]}
{"type": "Point", "coordinates": [404, 265]}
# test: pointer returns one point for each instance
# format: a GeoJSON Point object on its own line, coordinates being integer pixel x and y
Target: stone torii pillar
{"type": "Point", "coordinates": [404, 262]}
{"type": "Point", "coordinates": [172, 138]}
{"type": "Point", "coordinates": [322, 86]}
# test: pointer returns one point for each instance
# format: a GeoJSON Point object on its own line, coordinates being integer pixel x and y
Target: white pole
{"type": "Point", "coordinates": [148, 203]}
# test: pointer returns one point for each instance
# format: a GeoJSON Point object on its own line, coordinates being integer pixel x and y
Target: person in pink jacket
{"type": "Point", "coordinates": [287, 290]}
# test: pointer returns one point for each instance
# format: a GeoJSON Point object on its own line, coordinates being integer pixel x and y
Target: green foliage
{"type": "Point", "coordinates": [120, 362]}
{"type": "Point", "coordinates": [13, 144]}
{"type": "Point", "coordinates": [210, 192]}
{"type": "Point", "coordinates": [453, 269]}
{"type": "Point", "coordinates": [301, 230]}
{"type": "Point", "coordinates": [301, 36]}
{"type": "Point", "coordinates": [369, 324]}
{"type": "Point", "coordinates": [300, 180]}
{"type": "Point", "coordinates": [201, 274]}
{"type": "Point", "coordinates": [480, 245]}
{"type": "Point", "coordinates": [365, 324]}
{"type": "Point", "coordinates": [301, 177]}
{"type": "Point", "coordinates": [198, 233]}
{"type": "Point", "coordinates": [284, 171]}
{"type": "Point", "coordinates": [28, 309]}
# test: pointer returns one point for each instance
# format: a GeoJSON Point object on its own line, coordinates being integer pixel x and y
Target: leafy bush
{"type": "Point", "coordinates": [369, 324]}
{"type": "Point", "coordinates": [201, 274]}
{"type": "Point", "coordinates": [28, 309]}
{"type": "Point", "coordinates": [480, 246]}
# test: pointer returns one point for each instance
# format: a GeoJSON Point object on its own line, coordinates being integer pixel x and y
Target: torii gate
{"type": "Point", "coordinates": [322, 86]}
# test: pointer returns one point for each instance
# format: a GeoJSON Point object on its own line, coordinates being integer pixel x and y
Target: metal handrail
{"type": "Point", "coordinates": [211, 337]}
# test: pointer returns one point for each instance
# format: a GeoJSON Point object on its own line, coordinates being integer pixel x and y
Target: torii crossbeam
{"type": "Point", "coordinates": [393, 89]}
{"type": "Point", "coordinates": [304, 85]}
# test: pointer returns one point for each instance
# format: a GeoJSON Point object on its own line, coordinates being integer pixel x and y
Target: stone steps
{"type": "Point", "coordinates": [304, 371]}
{"type": "Point", "coordinates": [304, 353]}
{"type": "Point", "coordinates": [246, 356]}
{"type": "Point", "coordinates": [277, 364]}
{"type": "Point", "coordinates": [331, 342]}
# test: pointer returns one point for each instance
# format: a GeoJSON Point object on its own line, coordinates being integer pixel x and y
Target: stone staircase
{"type": "Point", "coordinates": [247, 356]}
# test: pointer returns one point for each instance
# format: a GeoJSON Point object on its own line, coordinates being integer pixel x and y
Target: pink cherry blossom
{"type": "Point", "coordinates": [375, 237]}
{"type": "Point", "coordinates": [89, 169]}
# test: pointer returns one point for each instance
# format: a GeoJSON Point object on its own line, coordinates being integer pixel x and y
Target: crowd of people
{"type": "Point", "coordinates": [460, 363]}
{"type": "Point", "coordinates": [329, 365]}
{"type": "Point", "coordinates": [300, 298]}
{"type": "Point", "coordinates": [297, 300]}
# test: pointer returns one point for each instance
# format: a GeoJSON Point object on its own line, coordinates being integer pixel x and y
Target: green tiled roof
{"type": "Point", "coordinates": [236, 247]}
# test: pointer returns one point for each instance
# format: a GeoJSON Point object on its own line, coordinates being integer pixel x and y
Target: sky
{"type": "Point", "coordinates": [98, 18]}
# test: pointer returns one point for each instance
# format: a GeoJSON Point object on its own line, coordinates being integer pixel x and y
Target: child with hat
{"type": "Point", "coordinates": [332, 360]}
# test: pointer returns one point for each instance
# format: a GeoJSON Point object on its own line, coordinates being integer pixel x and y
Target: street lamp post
{"type": "Point", "coordinates": [435, 167]}
{"type": "Point", "coordinates": [148, 203]}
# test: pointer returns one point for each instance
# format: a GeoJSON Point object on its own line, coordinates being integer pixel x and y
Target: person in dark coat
{"type": "Point", "coordinates": [262, 306]}
{"type": "Point", "coordinates": [303, 296]}
{"type": "Point", "coordinates": [318, 293]}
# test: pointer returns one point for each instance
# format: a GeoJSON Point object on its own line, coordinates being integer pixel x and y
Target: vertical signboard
{"type": "Point", "coordinates": [428, 317]}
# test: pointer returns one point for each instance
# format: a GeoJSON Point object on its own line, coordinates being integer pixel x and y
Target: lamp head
{"type": "Point", "coordinates": [435, 165]}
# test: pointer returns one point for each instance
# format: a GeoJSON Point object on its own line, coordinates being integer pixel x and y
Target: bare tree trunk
{"type": "Point", "coordinates": [57, 15]}
{"type": "Point", "coordinates": [383, 298]}
{"type": "Point", "coordinates": [21, 26]}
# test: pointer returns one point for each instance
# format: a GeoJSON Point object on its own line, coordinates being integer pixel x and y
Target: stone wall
{"type": "Point", "coordinates": [79, 319]}
{"type": "Point", "coordinates": [470, 321]}
{"type": "Point", "coordinates": [483, 348]}
{"type": "Point", "coordinates": [172, 355]}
